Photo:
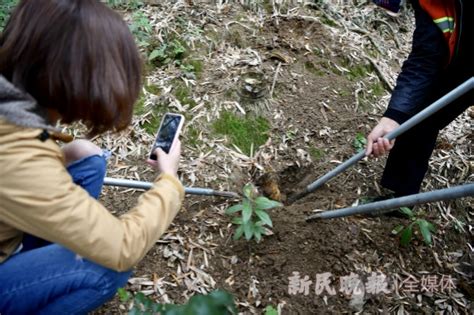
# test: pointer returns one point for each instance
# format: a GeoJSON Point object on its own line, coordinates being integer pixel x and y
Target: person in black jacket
{"type": "Point", "coordinates": [429, 73]}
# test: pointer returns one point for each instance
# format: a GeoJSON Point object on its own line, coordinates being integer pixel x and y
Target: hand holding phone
{"type": "Point", "coordinates": [167, 141]}
{"type": "Point", "coordinates": [168, 133]}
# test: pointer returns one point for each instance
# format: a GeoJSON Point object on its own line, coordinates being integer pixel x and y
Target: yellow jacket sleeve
{"type": "Point", "coordinates": [39, 197]}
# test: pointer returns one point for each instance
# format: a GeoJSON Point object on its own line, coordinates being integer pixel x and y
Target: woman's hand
{"type": "Point", "coordinates": [167, 163]}
{"type": "Point", "coordinates": [377, 145]}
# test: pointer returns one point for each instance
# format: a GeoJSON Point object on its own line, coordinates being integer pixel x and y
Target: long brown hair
{"type": "Point", "coordinates": [75, 56]}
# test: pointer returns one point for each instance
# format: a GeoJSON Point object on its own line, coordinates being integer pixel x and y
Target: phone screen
{"type": "Point", "coordinates": [166, 134]}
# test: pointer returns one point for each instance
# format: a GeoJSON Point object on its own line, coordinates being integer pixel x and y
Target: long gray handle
{"type": "Point", "coordinates": [430, 110]}
{"type": "Point", "coordinates": [387, 205]}
{"type": "Point", "coordinates": [188, 190]}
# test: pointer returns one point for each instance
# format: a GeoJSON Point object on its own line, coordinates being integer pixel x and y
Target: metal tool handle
{"type": "Point", "coordinates": [390, 204]}
{"type": "Point", "coordinates": [428, 111]}
{"type": "Point", "coordinates": [188, 190]}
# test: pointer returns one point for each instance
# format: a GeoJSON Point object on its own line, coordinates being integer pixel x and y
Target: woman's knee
{"type": "Point", "coordinates": [79, 149]}
{"type": "Point", "coordinates": [112, 281]}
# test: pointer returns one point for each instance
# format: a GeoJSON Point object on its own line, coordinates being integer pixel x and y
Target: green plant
{"type": "Point", "coordinates": [183, 93]}
{"type": "Point", "coordinates": [192, 137]}
{"type": "Point", "coordinates": [141, 28]}
{"type": "Point", "coordinates": [459, 225]}
{"type": "Point", "coordinates": [359, 71]}
{"type": "Point", "coordinates": [253, 215]}
{"type": "Point", "coordinates": [376, 89]}
{"type": "Point", "coordinates": [359, 142]}
{"type": "Point", "coordinates": [270, 310]}
{"type": "Point", "coordinates": [168, 52]}
{"type": "Point", "coordinates": [406, 231]}
{"type": "Point", "coordinates": [316, 154]}
{"type": "Point", "coordinates": [243, 132]}
{"type": "Point", "coordinates": [125, 4]}
{"type": "Point", "coordinates": [6, 6]}
{"type": "Point", "coordinates": [328, 21]}
{"type": "Point", "coordinates": [192, 67]}
{"type": "Point", "coordinates": [217, 302]}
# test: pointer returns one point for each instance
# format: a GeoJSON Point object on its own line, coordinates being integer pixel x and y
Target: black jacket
{"type": "Point", "coordinates": [424, 77]}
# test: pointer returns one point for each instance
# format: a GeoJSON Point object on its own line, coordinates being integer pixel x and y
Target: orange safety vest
{"type": "Point", "coordinates": [443, 13]}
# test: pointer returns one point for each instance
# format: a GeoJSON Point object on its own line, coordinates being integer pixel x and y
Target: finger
{"type": "Point", "coordinates": [368, 150]}
{"type": "Point", "coordinates": [159, 152]}
{"type": "Point", "coordinates": [151, 162]}
{"type": "Point", "coordinates": [376, 149]}
{"type": "Point", "coordinates": [176, 147]}
{"type": "Point", "coordinates": [387, 145]}
{"type": "Point", "coordinates": [381, 146]}
{"type": "Point", "coordinates": [392, 143]}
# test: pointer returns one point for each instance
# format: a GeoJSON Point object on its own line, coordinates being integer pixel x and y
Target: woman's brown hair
{"type": "Point", "coordinates": [75, 56]}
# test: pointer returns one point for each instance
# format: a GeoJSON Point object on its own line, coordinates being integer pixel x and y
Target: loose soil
{"type": "Point", "coordinates": [357, 245]}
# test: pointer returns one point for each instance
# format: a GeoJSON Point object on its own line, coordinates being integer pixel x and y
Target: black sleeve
{"type": "Point", "coordinates": [420, 71]}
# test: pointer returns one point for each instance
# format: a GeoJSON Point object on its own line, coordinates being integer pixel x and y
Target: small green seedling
{"type": "Point", "coordinates": [359, 142]}
{"type": "Point", "coordinates": [253, 217]}
{"type": "Point", "coordinates": [406, 231]}
{"type": "Point", "coordinates": [217, 302]}
{"type": "Point", "coordinates": [270, 310]}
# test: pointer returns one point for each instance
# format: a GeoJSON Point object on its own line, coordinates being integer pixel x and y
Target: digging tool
{"type": "Point", "coordinates": [427, 112]}
{"type": "Point", "coordinates": [188, 190]}
{"type": "Point", "coordinates": [390, 204]}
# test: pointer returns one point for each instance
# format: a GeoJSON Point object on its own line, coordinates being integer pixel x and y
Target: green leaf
{"type": "Point", "coordinates": [237, 220]}
{"type": "Point", "coordinates": [238, 233]}
{"type": "Point", "coordinates": [407, 211]}
{"type": "Point", "coordinates": [258, 230]}
{"type": "Point", "coordinates": [397, 229]}
{"type": "Point", "coordinates": [135, 311]}
{"type": "Point", "coordinates": [124, 295]}
{"type": "Point", "coordinates": [153, 55]}
{"type": "Point", "coordinates": [258, 235]}
{"type": "Point", "coordinates": [248, 230]}
{"type": "Point", "coordinates": [264, 203]}
{"type": "Point", "coordinates": [359, 142]}
{"type": "Point", "coordinates": [234, 209]}
{"type": "Point", "coordinates": [425, 230]}
{"type": "Point", "coordinates": [248, 191]}
{"type": "Point", "coordinates": [431, 227]}
{"type": "Point", "coordinates": [270, 310]}
{"type": "Point", "coordinates": [140, 298]}
{"type": "Point", "coordinates": [264, 217]}
{"type": "Point", "coordinates": [406, 235]}
{"type": "Point", "coordinates": [217, 302]}
{"type": "Point", "coordinates": [246, 211]}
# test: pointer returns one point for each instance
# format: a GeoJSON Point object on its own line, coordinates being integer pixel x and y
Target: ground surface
{"type": "Point", "coordinates": [324, 93]}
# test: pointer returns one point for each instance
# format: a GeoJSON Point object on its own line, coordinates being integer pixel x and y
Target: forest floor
{"type": "Point", "coordinates": [311, 82]}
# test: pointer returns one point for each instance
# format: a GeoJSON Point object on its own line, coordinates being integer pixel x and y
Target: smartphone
{"type": "Point", "coordinates": [170, 128]}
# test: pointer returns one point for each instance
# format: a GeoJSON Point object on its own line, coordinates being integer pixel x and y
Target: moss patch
{"type": "Point", "coordinates": [151, 126]}
{"type": "Point", "coordinates": [183, 93]}
{"type": "Point", "coordinates": [309, 66]}
{"type": "Point", "coordinates": [192, 137]}
{"type": "Point", "coordinates": [139, 108]}
{"type": "Point", "coordinates": [153, 89]}
{"type": "Point", "coordinates": [243, 131]}
{"type": "Point", "coordinates": [153, 122]}
{"type": "Point", "coordinates": [197, 65]}
{"type": "Point", "coordinates": [377, 89]}
{"type": "Point", "coordinates": [316, 154]}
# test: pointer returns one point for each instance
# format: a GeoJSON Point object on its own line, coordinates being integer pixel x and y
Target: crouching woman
{"type": "Point", "coordinates": [61, 251]}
